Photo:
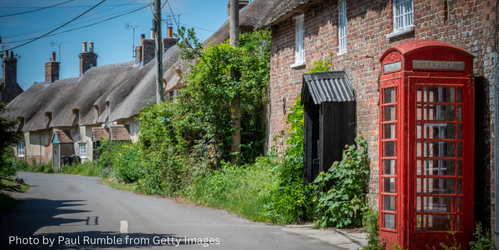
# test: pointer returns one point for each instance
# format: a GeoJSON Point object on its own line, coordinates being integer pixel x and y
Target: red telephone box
{"type": "Point", "coordinates": [426, 145]}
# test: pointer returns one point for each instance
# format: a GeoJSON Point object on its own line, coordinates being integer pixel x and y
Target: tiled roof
{"type": "Point", "coordinates": [99, 133]}
{"type": "Point", "coordinates": [119, 133]}
{"type": "Point", "coordinates": [63, 136]}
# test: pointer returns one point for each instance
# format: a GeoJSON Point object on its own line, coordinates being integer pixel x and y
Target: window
{"type": "Point", "coordinates": [342, 26]}
{"type": "Point", "coordinates": [83, 150]}
{"type": "Point", "coordinates": [135, 127]}
{"type": "Point", "coordinates": [20, 149]}
{"type": "Point", "coordinates": [299, 42]}
{"type": "Point", "coordinates": [402, 15]}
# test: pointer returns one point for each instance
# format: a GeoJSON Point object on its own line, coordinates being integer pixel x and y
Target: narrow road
{"type": "Point", "coordinates": [76, 212]}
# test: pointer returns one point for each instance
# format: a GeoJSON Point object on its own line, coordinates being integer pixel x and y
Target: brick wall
{"type": "Point", "coordinates": [51, 71]}
{"type": "Point", "coordinates": [9, 81]}
{"type": "Point", "coordinates": [468, 25]}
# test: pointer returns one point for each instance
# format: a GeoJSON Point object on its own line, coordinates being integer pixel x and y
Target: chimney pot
{"type": "Point", "coordinates": [91, 47]}
{"type": "Point", "coordinates": [6, 53]}
{"type": "Point", "coordinates": [152, 33]}
{"type": "Point", "coordinates": [53, 56]}
{"type": "Point", "coordinates": [142, 37]}
{"type": "Point", "coordinates": [84, 47]}
{"type": "Point", "coordinates": [170, 29]}
{"type": "Point", "coordinates": [12, 54]}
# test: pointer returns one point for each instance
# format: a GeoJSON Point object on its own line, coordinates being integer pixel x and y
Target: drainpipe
{"type": "Point", "coordinates": [496, 147]}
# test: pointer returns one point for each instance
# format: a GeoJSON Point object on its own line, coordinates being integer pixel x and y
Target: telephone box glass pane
{"type": "Point", "coordinates": [390, 203]}
{"type": "Point", "coordinates": [390, 95]}
{"type": "Point", "coordinates": [440, 94]}
{"type": "Point", "coordinates": [459, 149]}
{"type": "Point", "coordinates": [419, 149]}
{"type": "Point", "coordinates": [439, 112]}
{"type": "Point", "coordinates": [418, 222]}
{"type": "Point", "coordinates": [418, 185]}
{"type": "Point", "coordinates": [389, 185]}
{"type": "Point", "coordinates": [440, 223]}
{"type": "Point", "coordinates": [419, 94]}
{"type": "Point", "coordinates": [460, 186]}
{"type": "Point", "coordinates": [389, 167]}
{"type": "Point", "coordinates": [459, 131]}
{"type": "Point", "coordinates": [459, 95]}
{"type": "Point", "coordinates": [459, 204]}
{"type": "Point", "coordinates": [418, 204]}
{"type": "Point", "coordinates": [440, 131]}
{"type": "Point", "coordinates": [440, 167]}
{"type": "Point", "coordinates": [389, 221]}
{"type": "Point", "coordinates": [459, 168]}
{"type": "Point", "coordinates": [389, 149]}
{"type": "Point", "coordinates": [419, 165]}
{"type": "Point", "coordinates": [440, 149]}
{"type": "Point", "coordinates": [390, 132]}
{"type": "Point", "coordinates": [459, 113]}
{"type": "Point", "coordinates": [390, 113]}
{"type": "Point", "coordinates": [439, 186]}
{"type": "Point", "coordinates": [439, 204]}
{"type": "Point", "coordinates": [418, 131]}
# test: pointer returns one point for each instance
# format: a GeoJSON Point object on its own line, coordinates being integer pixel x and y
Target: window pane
{"type": "Point", "coordinates": [439, 167]}
{"type": "Point", "coordinates": [459, 204]}
{"type": "Point", "coordinates": [459, 168]}
{"type": "Point", "coordinates": [439, 204]}
{"type": "Point", "coordinates": [418, 204]}
{"type": "Point", "coordinates": [459, 149]}
{"type": "Point", "coordinates": [418, 131]}
{"type": "Point", "coordinates": [389, 221]}
{"type": "Point", "coordinates": [459, 131]}
{"type": "Point", "coordinates": [389, 185]}
{"type": "Point", "coordinates": [419, 149]}
{"type": "Point", "coordinates": [459, 95]}
{"type": "Point", "coordinates": [389, 167]}
{"type": "Point", "coordinates": [389, 95]}
{"type": "Point", "coordinates": [440, 94]}
{"type": "Point", "coordinates": [439, 113]}
{"type": "Point", "coordinates": [390, 114]}
{"type": "Point", "coordinates": [460, 186]}
{"type": "Point", "coordinates": [390, 131]}
{"type": "Point", "coordinates": [441, 223]}
{"type": "Point", "coordinates": [390, 203]}
{"type": "Point", "coordinates": [439, 149]}
{"type": "Point", "coordinates": [418, 167]}
{"type": "Point", "coordinates": [440, 131]}
{"type": "Point", "coordinates": [418, 222]}
{"type": "Point", "coordinates": [418, 185]}
{"type": "Point", "coordinates": [439, 186]}
{"type": "Point", "coordinates": [389, 149]}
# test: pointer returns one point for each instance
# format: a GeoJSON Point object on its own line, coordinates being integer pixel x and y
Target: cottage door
{"type": "Point", "coordinates": [56, 159]}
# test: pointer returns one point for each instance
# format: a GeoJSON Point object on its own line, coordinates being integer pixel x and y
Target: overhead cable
{"type": "Point", "coordinates": [26, 12]}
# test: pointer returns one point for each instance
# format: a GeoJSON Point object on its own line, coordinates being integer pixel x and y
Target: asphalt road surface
{"type": "Point", "coordinates": [77, 212]}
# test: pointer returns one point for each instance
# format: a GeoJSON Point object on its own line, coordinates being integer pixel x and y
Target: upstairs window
{"type": "Point", "coordinates": [299, 41]}
{"type": "Point", "coordinates": [342, 26]}
{"type": "Point", "coordinates": [135, 127]}
{"type": "Point", "coordinates": [403, 15]}
{"type": "Point", "coordinates": [20, 149]}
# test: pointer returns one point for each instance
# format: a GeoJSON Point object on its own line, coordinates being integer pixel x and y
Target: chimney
{"type": "Point", "coordinates": [91, 47]}
{"type": "Point", "coordinates": [52, 69]}
{"type": "Point", "coordinates": [142, 37]}
{"type": "Point", "coordinates": [148, 48]}
{"type": "Point", "coordinates": [242, 4]}
{"type": "Point", "coordinates": [170, 28]}
{"type": "Point", "coordinates": [169, 41]}
{"type": "Point", "coordinates": [9, 65]}
{"type": "Point", "coordinates": [87, 59]}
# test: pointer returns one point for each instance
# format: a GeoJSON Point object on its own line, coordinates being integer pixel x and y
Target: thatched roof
{"type": "Point", "coordinates": [249, 16]}
{"type": "Point", "coordinates": [103, 93]}
{"type": "Point", "coordinates": [99, 133]}
{"type": "Point", "coordinates": [284, 9]}
{"type": "Point", "coordinates": [119, 133]}
{"type": "Point", "coordinates": [63, 136]}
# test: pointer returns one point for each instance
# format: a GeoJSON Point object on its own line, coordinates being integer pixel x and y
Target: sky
{"type": "Point", "coordinates": [113, 41]}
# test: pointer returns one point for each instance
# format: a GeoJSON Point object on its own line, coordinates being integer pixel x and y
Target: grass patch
{"type": "Point", "coordinates": [9, 182]}
{"type": "Point", "coordinates": [241, 190]}
{"type": "Point", "coordinates": [130, 187]}
{"type": "Point", "coordinates": [88, 168]}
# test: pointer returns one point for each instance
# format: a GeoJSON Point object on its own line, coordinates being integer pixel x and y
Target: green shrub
{"type": "Point", "coordinates": [8, 161]}
{"type": "Point", "coordinates": [344, 204]}
{"type": "Point", "coordinates": [7, 203]}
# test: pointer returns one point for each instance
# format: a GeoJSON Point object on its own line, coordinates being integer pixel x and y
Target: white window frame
{"type": "Point", "coordinates": [342, 27]}
{"type": "Point", "coordinates": [299, 41]}
{"type": "Point", "coordinates": [83, 150]}
{"type": "Point", "coordinates": [20, 149]}
{"type": "Point", "coordinates": [403, 17]}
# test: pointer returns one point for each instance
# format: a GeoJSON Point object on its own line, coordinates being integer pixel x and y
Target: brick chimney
{"type": "Point", "coordinates": [87, 59]}
{"type": "Point", "coordinates": [138, 49]}
{"type": "Point", "coordinates": [9, 81]}
{"type": "Point", "coordinates": [148, 49]}
{"type": "Point", "coordinates": [52, 69]}
{"type": "Point", "coordinates": [169, 41]}
{"type": "Point", "coordinates": [242, 4]}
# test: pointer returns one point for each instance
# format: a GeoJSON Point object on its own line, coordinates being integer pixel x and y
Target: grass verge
{"type": "Point", "coordinates": [7, 203]}
{"type": "Point", "coordinates": [130, 187]}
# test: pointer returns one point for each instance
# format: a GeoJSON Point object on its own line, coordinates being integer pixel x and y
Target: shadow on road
{"type": "Point", "coordinates": [18, 228]}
